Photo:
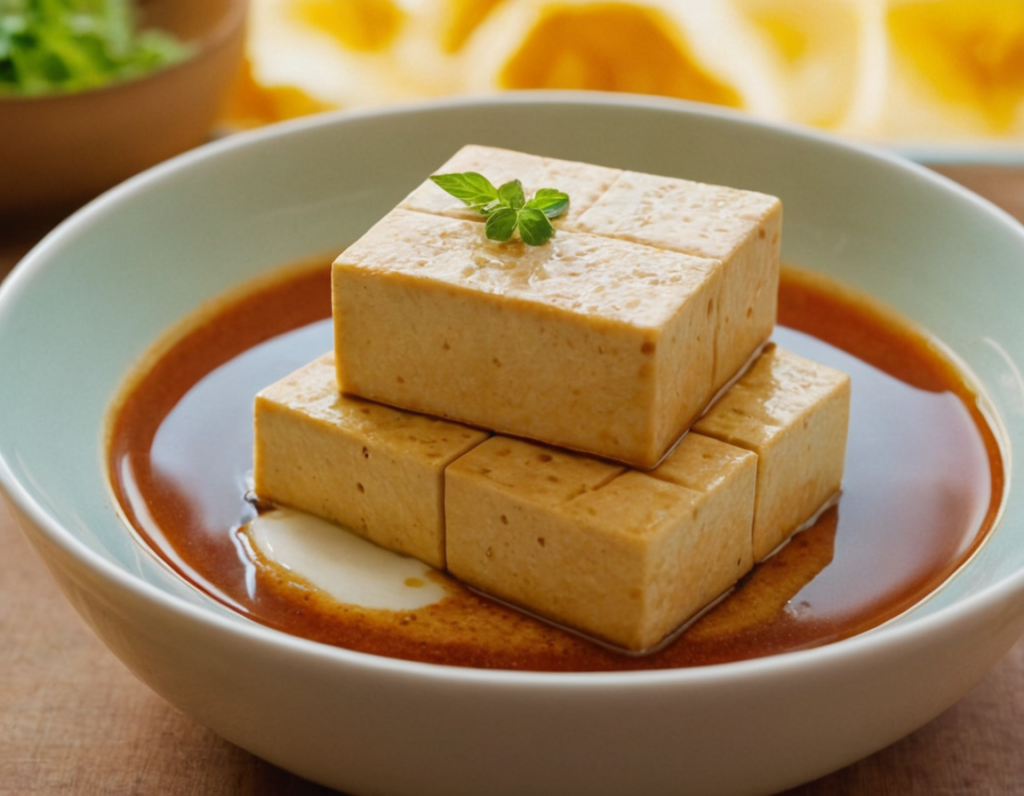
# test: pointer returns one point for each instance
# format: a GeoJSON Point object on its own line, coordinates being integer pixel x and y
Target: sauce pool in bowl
{"type": "Point", "coordinates": [924, 479]}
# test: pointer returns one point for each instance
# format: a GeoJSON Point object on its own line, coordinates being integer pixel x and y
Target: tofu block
{"type": "Point", "coordinates": [742, 229]}
{"type": "Point", "coordinates": [607, 319]}
{"type": "Point", "coordinates": [622, 555]}
{"type": "Point", "coordinates": [377, 470]}
{"type": "Point", "coordinates": [617, 554]}
{"type": "Point", "coordinates": [793, 413]}
{"type": "Point", "coordinates": [590, 343]}
{"type": "Point", "coordinates": [583, 183]}
{"type": "Point", "coordinates": [714, 468]}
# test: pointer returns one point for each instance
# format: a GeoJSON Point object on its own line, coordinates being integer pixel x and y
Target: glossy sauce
{"type": "Point", "coordinates": [924, 477]}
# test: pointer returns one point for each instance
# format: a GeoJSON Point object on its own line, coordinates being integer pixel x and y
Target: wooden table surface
{"type": "Point", "coordinates": [73, 720]}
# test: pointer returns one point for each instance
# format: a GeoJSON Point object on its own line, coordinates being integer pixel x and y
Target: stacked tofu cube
{"type": "Point", "coordinates": [596, 429]}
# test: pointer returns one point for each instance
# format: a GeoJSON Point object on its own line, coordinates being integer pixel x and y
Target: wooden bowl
{"type": "Point", "coordinates": [58, 151]}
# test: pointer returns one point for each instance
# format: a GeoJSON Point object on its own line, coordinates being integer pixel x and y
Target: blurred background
{"type": "Point", "coordinates": [935, 75]}
{"type": "Point", "coordinates": [941, 81]}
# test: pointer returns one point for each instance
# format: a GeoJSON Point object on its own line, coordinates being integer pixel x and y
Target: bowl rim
{"type": "Point", "coordinates": [839, 653]}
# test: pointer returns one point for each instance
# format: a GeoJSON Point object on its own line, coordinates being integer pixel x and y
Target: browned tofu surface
{"type": "Point", "coordinates": [600, 340]}
{"type": "Point", "coordinates": [590, 357]}
{"type": "Point", "coordinates": [622, 555]}
{"type": "Point", "coordinates": [793, 413]}
{"type": "Point", "coordinates": [583, 182]}
{"type": "Point", "coordinates": [742, 229]}
{"type": "Point", "coordinates": [590, 343]}
{"type": "Point", "coordinates": [371, 468]}
{"type": "Point", "coordinates": [617, 554]}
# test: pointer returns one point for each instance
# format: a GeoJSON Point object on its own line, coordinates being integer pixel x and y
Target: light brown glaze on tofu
{"type": "Point", "coordinates": [590, 343]}
{"type": "Point", "coordinates": [617, 554]}
{"type": "Point", "coordinates": [375, 470]}
{"type": "Point", "coordinates": [794, 414]}
{"type": "Point", "coordinates": [599, 340]}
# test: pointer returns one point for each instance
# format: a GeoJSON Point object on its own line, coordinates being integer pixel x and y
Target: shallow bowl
{"type": "Point", "coordinates": [60, 150]}
{"type": "Point", "coordinates": [90, 299]}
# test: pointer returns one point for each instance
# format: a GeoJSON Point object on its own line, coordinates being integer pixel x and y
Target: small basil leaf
{"type": "Point", "coordinates": [501, 223]}
{"type": "Point", "coordinates": [511, 194]}
{"type": "Point", "coordinates": [534, 226]}
{"type": "Point", "coordinates": [551, 202]}
{"type": "Point", "coordinates": [471, 188]}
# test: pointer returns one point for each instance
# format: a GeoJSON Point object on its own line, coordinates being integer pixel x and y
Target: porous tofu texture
{"type": "Point", "coordinates": [741, 229]}
{"type": "Point", "coordinates": [583, 182]}
{"type": "Point", "coordinates": [376, 470]}
{"type": "Point", "coordinates": [734, 233]}
{"type": "Point", "coordinates": [590, 343]}
{"type": "Point", "coordinates": [617, 554]}
{"type": "Point", "coordinates": [793, 413]}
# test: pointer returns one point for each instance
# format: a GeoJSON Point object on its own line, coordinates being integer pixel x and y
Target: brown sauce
{"type": "Point", "coordinates": [924, 478]}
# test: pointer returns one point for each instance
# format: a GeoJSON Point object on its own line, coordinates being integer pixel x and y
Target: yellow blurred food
{"type": "Point", "coordinates": [358, 25]}
{"type": "Point", "coordinates": [887, 70]}
{"type": "Point", "coordinates": [459, 18]}
{"type": "Point", "coordinates": [250, 104]}
{"type": "Point", "coordinates": [818, 49]}
{"type": "Point", "coordinates": [966, 53]}
{"type": "Point", "coordinates": [610, 47]}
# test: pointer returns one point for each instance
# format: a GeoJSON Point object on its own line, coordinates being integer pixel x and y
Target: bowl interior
{"type": "Point", "coordinates": [84, 306]}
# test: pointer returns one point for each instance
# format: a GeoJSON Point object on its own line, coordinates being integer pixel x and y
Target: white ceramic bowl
{"type": "Point", "coordinates": [83, 306]}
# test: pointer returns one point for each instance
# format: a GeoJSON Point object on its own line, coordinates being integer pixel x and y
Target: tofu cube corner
{"type": "Point", "coordinates": [794, 414]}
{"type": "Point", "coordinates": [610, 339]}
{"type": "Point", "coordinates": [617, 554]}
{"type": "Point", "coordinates": [373, 469]}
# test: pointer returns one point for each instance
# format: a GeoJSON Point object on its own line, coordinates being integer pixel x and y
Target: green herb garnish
{"type": "Point", "coordinates": [49, 46]}
{"type": "Point", "coordinates": [506, 208]}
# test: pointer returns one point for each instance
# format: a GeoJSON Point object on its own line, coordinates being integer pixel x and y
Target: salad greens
{"type": "Point", "coordinates": [49, 46]}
